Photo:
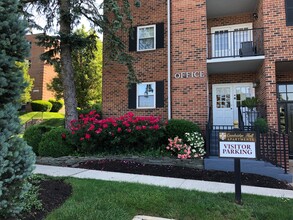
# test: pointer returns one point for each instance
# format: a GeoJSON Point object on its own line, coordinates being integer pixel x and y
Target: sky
{"type": "Point", "coordinates": [40, 19]}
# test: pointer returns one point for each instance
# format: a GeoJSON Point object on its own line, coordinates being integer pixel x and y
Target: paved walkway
{"type": "Point", "coordinates": [205, 186]}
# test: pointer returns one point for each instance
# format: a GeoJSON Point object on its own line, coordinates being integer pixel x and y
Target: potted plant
{"type": "Point", "coordinates": [251, 103]}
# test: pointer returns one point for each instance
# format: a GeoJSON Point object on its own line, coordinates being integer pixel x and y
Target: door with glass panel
{"type": "Point", "coordinates": [285, 107]}
{"type": "Point", "coordinates": [226, 99]}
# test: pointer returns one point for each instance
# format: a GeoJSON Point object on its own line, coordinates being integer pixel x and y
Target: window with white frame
{"type": "Point", "coordinates": [146, 95]}
{"type": "Point", "coordinates": [146, 38]}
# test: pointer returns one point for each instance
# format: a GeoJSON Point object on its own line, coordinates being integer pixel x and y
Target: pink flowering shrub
{"type": "Point", "coordinates": [121, 134]}
{"type": "Point", "coordinates": [192, 147]}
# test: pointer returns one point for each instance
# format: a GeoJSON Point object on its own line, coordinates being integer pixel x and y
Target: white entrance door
{"type": "Point", "coordinates": [226, 99]}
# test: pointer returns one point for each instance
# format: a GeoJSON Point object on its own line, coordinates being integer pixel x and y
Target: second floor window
{"type": "Point", "coordinates": [289, 12]}
{"type": "Point", "coordinates": [146, 38]}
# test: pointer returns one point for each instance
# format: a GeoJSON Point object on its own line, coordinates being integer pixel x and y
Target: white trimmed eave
{"type": "Point", "coordinates": [221, 8]}
{"type": "Point", "coordinates": [235, 64]}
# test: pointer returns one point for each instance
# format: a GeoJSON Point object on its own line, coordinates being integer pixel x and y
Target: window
{"type": "Point", "coordinates": [146, 38]}
{"type": "Point", "coordinates": [146, 95]}
{"type": "Point", "coordinates": [289, 12]}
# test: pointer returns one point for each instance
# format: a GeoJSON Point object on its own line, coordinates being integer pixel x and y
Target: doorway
{"type": "Point", "coordinates": [226, 99]}
{"type": "Point", "coordinates": [285, 106]}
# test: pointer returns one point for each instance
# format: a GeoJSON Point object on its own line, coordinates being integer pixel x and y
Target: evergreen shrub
{"type": "Point", "coordinates": [34, 134]}
{"type": "Point", "coordinates": [56, 143]}
{"type": "Point", "coordinates": [41, 106]}
{"type": "Point", "coordinates": [261, 124]}
{"type": "Point", "coordinates": [56, 105]}
{"type": "Point", "coordinates": [16, 157]}
{"type": "Point", "coordinates": [178, 128]}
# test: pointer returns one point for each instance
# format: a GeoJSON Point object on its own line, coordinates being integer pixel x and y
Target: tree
{"type": "Point", "coordinates": [87, 65]}
{"type": "Point", "coordinates": [16, 157]}
{"type": "Point", "coordinates": [28, 81]}
{"type": "Point", "coordinates": [116, 18]}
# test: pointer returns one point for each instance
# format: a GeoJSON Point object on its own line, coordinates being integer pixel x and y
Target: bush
{"type": "Point", "coordinates": [56, 143]}
{"type": "Point", "coordinates": [261, 124]}
{"type": "Point", "coordinates": [178, 128]}
{"type": "Point", "coordinates": [117, 135]}
{"type": "Point", "coordinates": [41, 106]}
{"type": "Point", "coordinates": [56, 105]}
{"type": "Point", "coordinates": [96, 107]}
{"type": "Point", "coordinates": [34, 134]}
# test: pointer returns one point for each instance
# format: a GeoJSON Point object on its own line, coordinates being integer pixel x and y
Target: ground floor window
{"type": "Point", "coordinates": [146, 95]}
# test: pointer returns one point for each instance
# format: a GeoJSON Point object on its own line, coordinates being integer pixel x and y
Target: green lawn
{"type": "Point", "coordinates": [95, 200]}
{"type": "Point", "coordinates": [39, 115]}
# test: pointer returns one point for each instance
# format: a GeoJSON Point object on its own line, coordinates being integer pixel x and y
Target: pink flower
{"type": "Point", "coordinates": [105, 125]}
{"type": "Point", "coordinates": [119, 130]}
{"type": "Point", "coordinates": [63, 136]}
{"type": "Point", "coordinates": [81, 139]}
{"type": "Point", "coordinates": [92, 127]}
{"type": "Point", "coordinates": [99, 131]}
{"type": "Point", "coordinates": [87, 136]}
{"type": "Point", "coordinates": [138, 128]}
{"type": "Point", "coordinates": [143, 127]}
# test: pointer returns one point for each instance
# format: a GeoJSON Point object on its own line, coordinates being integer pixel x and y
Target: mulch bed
{"type": "Point", "coordinates": [52, 193]}
{"type": "Point", "coordinates": [125, 166]}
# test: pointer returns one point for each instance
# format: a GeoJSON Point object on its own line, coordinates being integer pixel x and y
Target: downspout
{"type": "Point", "coordinates": [169, 57]}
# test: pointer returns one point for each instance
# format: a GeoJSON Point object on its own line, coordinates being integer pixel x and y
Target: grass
{"type": "Point", "coordinates": [40, 115]}
{"type": "Point", "coordinates": [93, 199]}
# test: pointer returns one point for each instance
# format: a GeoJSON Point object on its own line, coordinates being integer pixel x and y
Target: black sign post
{"type": "Point", "coordinates": [237, 172]}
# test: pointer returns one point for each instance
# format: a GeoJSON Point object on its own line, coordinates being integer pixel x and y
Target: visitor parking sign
{"type": "Point", "coordinates": [237, 144]}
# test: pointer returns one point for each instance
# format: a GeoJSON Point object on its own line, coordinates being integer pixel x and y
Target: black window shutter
{"type": "Point", "coordinates": [133, 39]}
{"type": "Point", "coordinates": [160, 35]}
{"type": "Point", "coordinates": [132, 96]}
{"type": "Point", "coordinates": [289, 12]}
{"type": "Point", "coordinates": [160, 94]}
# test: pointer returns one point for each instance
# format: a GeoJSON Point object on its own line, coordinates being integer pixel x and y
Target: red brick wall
{"type": "Point", "coordinates": [150, 66]}
{"type": "Point", "coordinates": [278, 47]}
{"type": "Point", "coordinates": [37, 68]}
{"type": "Point", "coordinates": [189, 95]}
{"type": "Point", "coordinates": [41, 73]}
{"type": "Point", "coordinates": [230, 20]}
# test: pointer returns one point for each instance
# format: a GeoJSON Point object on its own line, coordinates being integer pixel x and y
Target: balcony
{"type": "Point", "coordinates": [235, 48]}
{"type": "Point", "coordinates": [221, 8]}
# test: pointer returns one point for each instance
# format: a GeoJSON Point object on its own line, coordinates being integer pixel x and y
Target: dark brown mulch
{"type": "Point", "coordinates": [53, 194]}
{"type": "Point", "coordinates": [182, 172]}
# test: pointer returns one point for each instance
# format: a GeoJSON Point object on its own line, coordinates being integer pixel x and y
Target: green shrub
{"type": "Point", "coordinates": [56, 143]}
{"type": "Point", "coordinates": [34, 134]}
{"type": "Point", "coordinates": [56, 105]}
{"type": "Point", "coordinates": [261, 124]}
{"type": "Point", "coordinates": [178, 127]}
{"type": "Point", "coordinates": [41, 106]}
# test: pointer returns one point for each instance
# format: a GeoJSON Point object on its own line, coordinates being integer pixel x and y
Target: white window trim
{"type": "Point", "coordinates": [153, 83]}
{"type": "Point", "coordinates": [140, 27]}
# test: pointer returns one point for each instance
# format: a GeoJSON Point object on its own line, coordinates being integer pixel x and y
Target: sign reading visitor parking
{"type": "Point", "coordinates": [237, 144]}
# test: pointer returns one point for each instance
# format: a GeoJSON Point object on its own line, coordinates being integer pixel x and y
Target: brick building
{"type": "Point", "coordinates": [41, 72]}
{"type": "Point", "coordinates": [199, 59]}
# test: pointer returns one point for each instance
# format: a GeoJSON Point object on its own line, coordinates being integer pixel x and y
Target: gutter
{"type": "Point", "coordinates": [169, 57]}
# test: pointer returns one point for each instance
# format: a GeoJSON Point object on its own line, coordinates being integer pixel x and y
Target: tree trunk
{"type": "Point", "coordinates": [66, 65]}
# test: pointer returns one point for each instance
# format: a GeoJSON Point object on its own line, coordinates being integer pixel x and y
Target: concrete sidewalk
{"type": "Point", "coordinates": [204, 186]}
